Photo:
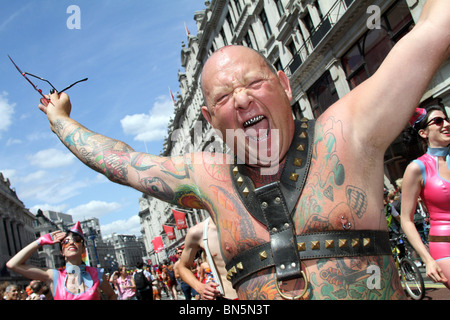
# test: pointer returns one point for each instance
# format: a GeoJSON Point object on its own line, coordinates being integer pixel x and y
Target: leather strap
{"type": "Point", "coordinates": [332, 244]}
{"type": "Point", "coordinates": [439, 238]}
{"type": "Point", "coordinates": [293, 176]}
{"type": "Point", "coordinates": [274, 204]}
{"type": "Point", "coordinates": [281, 230]}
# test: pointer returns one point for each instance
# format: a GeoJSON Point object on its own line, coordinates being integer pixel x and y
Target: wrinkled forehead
{"type": "Point", "coordinates": [230, 67]}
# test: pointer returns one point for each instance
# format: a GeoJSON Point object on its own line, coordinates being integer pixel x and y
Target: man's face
{"type": "Point", "coordinates": [13, 294]}
{"type": "Point", "coordinates": [248, 104]}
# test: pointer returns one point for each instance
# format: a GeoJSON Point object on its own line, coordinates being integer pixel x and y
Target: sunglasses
{"type": "Point", "coordinates": [25, 74]}
{"type": "Point", "coordinates": [437, 121]}
{"type": "Point", "coordinates": [75, 239]}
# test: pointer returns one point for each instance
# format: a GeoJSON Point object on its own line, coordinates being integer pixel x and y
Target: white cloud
{"type": "Point", "coordinates": [151, 126]}
{"type": "Point", "coordinates": [12, 141]}
{"type": "Point", "coordinates": [93, 208]}
{"type": "Point", "coordinates": [34, 177]}
{"type": "Point", "coordinates": [50, 188]}
{"type": "Point", "coordinates": [51, 158]}
{"type": "Point", "coordinates": [130, 226]}
{"type": "Point", "coordinates": [6, 111]}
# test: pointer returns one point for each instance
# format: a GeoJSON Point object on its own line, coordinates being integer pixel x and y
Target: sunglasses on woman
{"type": "Point", "coordinates": [437, 121]}
{"type": "Point", "coordinates": [75, 239]}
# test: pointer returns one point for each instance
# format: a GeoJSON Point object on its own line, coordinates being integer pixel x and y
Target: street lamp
{"type": "Point", "coordinates": [92, 236]}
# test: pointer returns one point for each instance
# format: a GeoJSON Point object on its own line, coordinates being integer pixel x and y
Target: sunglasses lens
{"type": "Point", "coordinates": [438, 121]}
{"type": "Point", "coordinates": [75, 239]}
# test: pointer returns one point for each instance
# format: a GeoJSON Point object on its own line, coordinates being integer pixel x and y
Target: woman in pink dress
{"type": "Point", "coordinates": [429, 177]}
{"type": "Point", "coordinates": [126, 286]}
{"type": "Point", "coordinates": [75, 281]}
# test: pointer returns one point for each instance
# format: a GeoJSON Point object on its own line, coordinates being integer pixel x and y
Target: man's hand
{"type": "Point", "coordinates": [55, 106]}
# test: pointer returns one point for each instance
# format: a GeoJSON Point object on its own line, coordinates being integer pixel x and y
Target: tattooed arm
{"type": "Point", "coordinates": [157, 176]}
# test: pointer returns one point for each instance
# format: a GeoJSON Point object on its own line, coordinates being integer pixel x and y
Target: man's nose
{"type": "Point", "coordinates": [241, 98]}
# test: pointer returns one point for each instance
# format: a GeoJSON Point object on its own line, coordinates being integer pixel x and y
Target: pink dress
{"type": "Point", "coordinates": [125, 293]}
{"type": "Point", "coordinates": [436, 195]}
{"type": "Point", "coordinates": [91, 293]}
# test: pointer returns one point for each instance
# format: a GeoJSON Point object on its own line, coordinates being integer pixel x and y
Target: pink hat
{"type": "Point", "coordinates": [77, 229]}
{"type": "Point", "coordinates": [419, 115]}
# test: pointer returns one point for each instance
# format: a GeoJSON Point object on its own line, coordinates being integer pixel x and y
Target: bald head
{"type": "Point", "coordinates": [220, 58]}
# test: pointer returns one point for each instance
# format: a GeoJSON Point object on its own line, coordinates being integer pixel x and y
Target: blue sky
{"type": "Point", "coordinates": [130, 51]}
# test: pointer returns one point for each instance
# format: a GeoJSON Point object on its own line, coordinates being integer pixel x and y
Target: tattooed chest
{"type": "Point", "coordinates": [331, 199]}
{"type": "Point", "coordinates": [237, 229]}
{"type": "Point", "coordinates": [327, 207]}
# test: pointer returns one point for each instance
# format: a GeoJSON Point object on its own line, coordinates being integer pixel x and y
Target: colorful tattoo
{"type": "Point", "coordinates": [236, 225]}
{"type": "Point", "coordinates": [370, 278]}
{"type": "Point", "coordinates": [326, 184]}
{"type": "Point", "coordinates": [188, 196]}
{"type": "Point", "coordinates": [157, 188]}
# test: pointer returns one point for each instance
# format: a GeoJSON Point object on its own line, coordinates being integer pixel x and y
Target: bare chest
{"type": "Point", "coordinates": [332, 198]}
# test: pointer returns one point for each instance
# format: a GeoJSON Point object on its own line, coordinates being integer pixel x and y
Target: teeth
{"type": "Point", "coordinates": [253, 120]}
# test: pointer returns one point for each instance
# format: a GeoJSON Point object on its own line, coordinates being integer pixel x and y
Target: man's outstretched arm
{"type": "Point", "coordinates": [157, 176]}
{"type": "Point", "coordinates": [398, 85]}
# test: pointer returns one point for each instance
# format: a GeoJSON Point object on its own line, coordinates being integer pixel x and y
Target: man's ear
{"type": "Point", "coordinates": [284, 80]}
{"type": "Point", "coordinates": [206, 114]}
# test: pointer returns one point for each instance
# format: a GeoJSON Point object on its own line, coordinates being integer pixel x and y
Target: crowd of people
{"type": "Point", "coordinates": [35, 290]}
{"type": "Point", "coordinates": [144, 282]}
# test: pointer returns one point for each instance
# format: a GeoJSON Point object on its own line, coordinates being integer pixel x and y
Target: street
{"type": "Point", "coordinates": [433, 291]}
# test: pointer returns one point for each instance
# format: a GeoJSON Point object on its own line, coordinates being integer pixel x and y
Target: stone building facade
{"type": "Point", "coordinates": [16, 230]}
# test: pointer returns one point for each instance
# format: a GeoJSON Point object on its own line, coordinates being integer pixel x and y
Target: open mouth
{"type": "Point", "coordinates": [253, 121]}
{"type": "Point", "coordinates": [257, 128]}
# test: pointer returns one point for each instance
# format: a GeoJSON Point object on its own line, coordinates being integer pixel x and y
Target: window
{"type": "Point", "coordinates": [291, 47]}
{"type": "Point", "coordinates": [230, 22]}
{"type": "Point", "coordinates": [279, 7]}
{"type": "Point", "coordinates": [224, 38]}
{"type": "Point", "coordinates": [297, 111]}
{"type": "Point", "coordinates": [238, 7]}
{"type": "Point", "coordinates": [322, 94]}
{"type": "Point", "coordinates": [296, 59]}
{"type": "Point", "coordinates": [248, 41]}
{"type": "Point", "coordinates": [367, 54]}
{"type": "Point", "coordinates": [399, 18]}
{"type": "Point", "coordinates": [265, 23]}
{"type": "Point", "coordinates": [308, 23]}
{"type": "Point", "coordinates": [277, 64]}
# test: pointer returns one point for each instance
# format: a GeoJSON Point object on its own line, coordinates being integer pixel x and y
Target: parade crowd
{"type": "Point", "coordinates": [160, 282]}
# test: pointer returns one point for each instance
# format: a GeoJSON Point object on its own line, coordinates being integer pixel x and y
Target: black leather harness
{"type": "Point", "coordinates": [273, 205]}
